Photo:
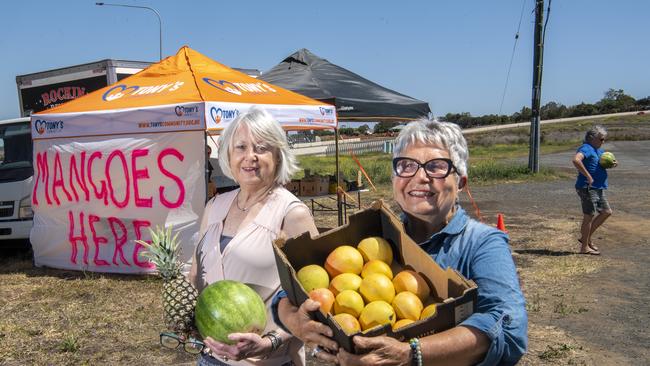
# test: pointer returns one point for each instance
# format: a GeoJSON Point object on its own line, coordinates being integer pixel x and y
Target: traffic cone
{"type": "Point", "coordinates": [500, 225]}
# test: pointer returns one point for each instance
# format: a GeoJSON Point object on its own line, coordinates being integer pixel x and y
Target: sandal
{"type": "Point", "coordinates": [590, 252]}
{"type": "Point", "coordinates": [591, 245]}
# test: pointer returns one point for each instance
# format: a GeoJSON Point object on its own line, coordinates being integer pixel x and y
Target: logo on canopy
{"type": "Point", "coordinates": [326, 111]}
{"type": "Point", "coordinates": [123, 90]}
{"type": "Point", "coordinates": [218, 115]}
{"type": "Point", "coordinates": [41, 126]}
{"type": "Point", "coordinates": [240, 88]}
{"type": "Point", "coordinates": [183, 110]}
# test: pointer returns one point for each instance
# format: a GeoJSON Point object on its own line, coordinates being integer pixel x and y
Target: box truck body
{"type": "Point", "coordinates": [46, 89]}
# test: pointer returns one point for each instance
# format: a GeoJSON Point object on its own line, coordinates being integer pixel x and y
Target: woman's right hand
{"type": "Point", "coordinates": [313, 333]}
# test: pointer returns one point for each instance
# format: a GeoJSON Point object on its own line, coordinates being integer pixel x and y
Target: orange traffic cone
{"type": "Point", "coordinates": [500, 225]}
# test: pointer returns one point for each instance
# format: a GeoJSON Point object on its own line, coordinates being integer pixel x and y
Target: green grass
{"type": "Point", "coordinates": [481, 170]}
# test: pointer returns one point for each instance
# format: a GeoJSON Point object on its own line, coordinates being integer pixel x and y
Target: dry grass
{"type": "Point", "coordinates": [55, 317]}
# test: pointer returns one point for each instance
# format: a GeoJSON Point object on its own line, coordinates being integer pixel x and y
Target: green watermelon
{"type": "Point", "coordinates": [226, 307]}
{"type": "Point", "coordinates": [607, 160]}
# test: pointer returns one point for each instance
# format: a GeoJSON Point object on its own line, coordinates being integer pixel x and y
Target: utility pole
{"type": "Point", "coordinates": [538, 57]}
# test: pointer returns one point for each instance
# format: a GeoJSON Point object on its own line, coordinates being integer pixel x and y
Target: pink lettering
{"type": "Point", "coordinates": [58, 179]}
{"type": "Point", "coordinates": [43, 173]}
{"type": "Point", "coordinates": [179, 182]}
{"type": "Point", "coordinates": [137, 225]}
{"type": "Point", "coordinates": [75, 239]}
{"type": "Point", "coordinates": [120, 240]}
{"type": "Point", "coordinates": [45, 97]}
{"type": "Point", "coordinates": [125, 169]}
{"type": "Point", "coordinates": [80, 178]}
{"type": "Point", "coordinates": [103, 194]}
{"type": "Point", "coordinates": [97, 240]}
{"type": "Point", "coordinates": [137, 175]}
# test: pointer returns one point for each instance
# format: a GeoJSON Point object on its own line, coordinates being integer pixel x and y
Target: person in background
{"type": "Point", "coordinates": [212, 188]}
{"type": "Point", "coordinates": [238, 228]}
{"type": "Point", "coordinates": [591, 185]}
{"type": "Point", "coordinates": [429, 171]}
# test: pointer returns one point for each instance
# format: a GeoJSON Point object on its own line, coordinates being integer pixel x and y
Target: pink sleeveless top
{"type": "Point", "coordinates": [248, 258]}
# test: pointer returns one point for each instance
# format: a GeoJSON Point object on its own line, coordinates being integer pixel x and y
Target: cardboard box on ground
{"type": "Point", "coordinates": [455, 295]}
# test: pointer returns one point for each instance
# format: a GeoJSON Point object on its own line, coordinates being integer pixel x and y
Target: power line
{"type": "Point", "coordinates": [503, 96]}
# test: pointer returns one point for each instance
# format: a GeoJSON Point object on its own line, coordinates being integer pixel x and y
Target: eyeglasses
{"type": "Point", "coordinates": [173, 341]}
{"type": "Point", "coordinates": [434, 168]}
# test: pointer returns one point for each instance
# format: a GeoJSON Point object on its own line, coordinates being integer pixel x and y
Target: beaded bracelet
{"type": "Point", "coordinates": [276, 341]}
{"type": "Point", "coordinates": [416, 352]}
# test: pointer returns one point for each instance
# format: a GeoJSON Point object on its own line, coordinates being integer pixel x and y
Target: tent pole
{"type": "Point", "coordinates": [339, 207]}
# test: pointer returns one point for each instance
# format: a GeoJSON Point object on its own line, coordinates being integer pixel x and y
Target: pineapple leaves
{"type": "Point", "coordinates": [164, 252]}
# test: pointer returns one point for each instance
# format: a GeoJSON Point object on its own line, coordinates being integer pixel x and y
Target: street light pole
{"type": "Point", "coordinates": [142, 7]}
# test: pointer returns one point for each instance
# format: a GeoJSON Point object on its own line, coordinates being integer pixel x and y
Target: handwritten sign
{"type": "Point", "coordinates": [94, 196]}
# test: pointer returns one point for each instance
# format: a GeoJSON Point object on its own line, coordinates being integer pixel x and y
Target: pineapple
{"type": "Point", "coordinates": [179, 296]}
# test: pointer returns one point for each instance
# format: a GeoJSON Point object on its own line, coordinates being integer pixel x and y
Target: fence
{"type": "Point", "coordinates": [361, 147]}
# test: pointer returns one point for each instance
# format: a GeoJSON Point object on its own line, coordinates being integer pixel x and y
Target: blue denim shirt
{"type": "Point", "coordinates": [481, 253]}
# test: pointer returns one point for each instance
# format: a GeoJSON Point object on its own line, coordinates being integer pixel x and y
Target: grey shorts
{"type": "Point", "coordinates": [593, 200]}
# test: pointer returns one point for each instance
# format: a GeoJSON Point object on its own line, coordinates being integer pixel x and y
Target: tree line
{"type": "Point", "coordinates": [614, 101]}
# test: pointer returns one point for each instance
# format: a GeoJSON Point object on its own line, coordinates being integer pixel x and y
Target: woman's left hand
{"type": "Point", "coordinates": [376, 351]}
{"type": "Point", "coordinates": [246, 345]}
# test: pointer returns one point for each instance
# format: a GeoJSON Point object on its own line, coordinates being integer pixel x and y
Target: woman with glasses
{"type": "Point", "coordinates": [238, 229]}
{"type": "Point", "coordinates": [591, 185]}
{"type": "Point", "coordinates": [429, 172]}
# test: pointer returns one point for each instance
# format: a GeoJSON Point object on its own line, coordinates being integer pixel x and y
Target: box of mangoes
{"type": "Point", "coordinates": [372, 279]}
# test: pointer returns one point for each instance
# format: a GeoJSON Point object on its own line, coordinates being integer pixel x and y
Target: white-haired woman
{"type": "Point", "coordinates": [429, 171]}
{"type": "Point", "coordinates": [239, 226]}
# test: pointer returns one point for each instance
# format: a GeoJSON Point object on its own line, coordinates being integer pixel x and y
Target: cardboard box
{"type": "Point", "coordinates": [293, 187]}
{"type": "Point", "coordinates": [315, 185]}
{"type": "Point", "coordinates": [455, 295]}
{"type": "Point", "coordinates": [308, 188]}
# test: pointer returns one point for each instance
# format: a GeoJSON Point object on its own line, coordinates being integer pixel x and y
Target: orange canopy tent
{"type": "Point", "coordinates": [132, 155]}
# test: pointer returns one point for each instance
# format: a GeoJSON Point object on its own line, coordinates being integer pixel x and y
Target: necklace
{"type": "Point", "coordinates": [245, 209]}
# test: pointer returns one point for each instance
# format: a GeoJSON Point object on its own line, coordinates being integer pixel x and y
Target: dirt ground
{"type": "Point", "coordinates": [583, 309]}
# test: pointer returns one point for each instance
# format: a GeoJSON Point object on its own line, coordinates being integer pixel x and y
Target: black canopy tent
{"type": "Point", "coordinates": [355, 97]}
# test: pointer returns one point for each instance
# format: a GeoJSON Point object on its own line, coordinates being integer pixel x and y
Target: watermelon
{"type": "Point", "coordinates": [607, 160]}
{"type": "Point", "coordinates": [226, 307]}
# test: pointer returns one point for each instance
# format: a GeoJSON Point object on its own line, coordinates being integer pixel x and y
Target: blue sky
{"type": "Point", "coordinates": [452, 54]}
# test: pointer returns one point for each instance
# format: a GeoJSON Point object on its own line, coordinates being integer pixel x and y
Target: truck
{"type": "Point", "coordinates": [16, 174]}
{"type": "Point", "coordinates": [46, 89]}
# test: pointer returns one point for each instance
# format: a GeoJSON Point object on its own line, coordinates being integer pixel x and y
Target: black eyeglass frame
{"type": "Point", "coordinates": [180, 341]}
{"type": "Point", "coordinates": [450, 167]}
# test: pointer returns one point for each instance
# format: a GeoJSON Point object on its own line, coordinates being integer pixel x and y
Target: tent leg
{"type": "Point", "coordinates": [339, 208]}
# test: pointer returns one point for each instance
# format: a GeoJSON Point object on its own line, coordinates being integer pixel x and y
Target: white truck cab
{"type": "Point", "coordinates": [16, 175]}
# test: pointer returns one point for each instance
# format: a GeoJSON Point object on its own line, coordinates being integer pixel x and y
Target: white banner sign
{"type": "Point", "coordinates": [94, 196]}
{"type": "Point", "coordinates": [166, 118]}
{"type": "Point", "coordinates": [220, 114]}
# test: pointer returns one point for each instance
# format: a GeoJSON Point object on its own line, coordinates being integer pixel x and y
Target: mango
{"type": "Point", "coordinates": [376, 247]}
{"type": "Point", "coordinates": [349, 302]}
{"type": "Point", "coordinates": [375, 314]}
{"type": "Point", "coordinates": [325, 297]}
{"type": "Point", "coordinates": [348, 323]}
{"type": "Point", "coordinates": [376, 266]}
{"type": "Point", "coordinates": [345, 281]}
{"type": "Point", "coordinates": [344, 259]}
{"type": "Point", "coordinates": [412, 281]}
{"type": "Point", "coordinates": [377, 286]}
{"type": "Point", "coordinates": [407, 305]}
{"type": "Point", "coordinates": [312, 277]}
